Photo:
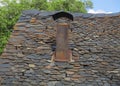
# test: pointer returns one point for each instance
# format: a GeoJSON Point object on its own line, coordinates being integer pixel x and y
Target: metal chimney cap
{"type": "Point", "coordinates": [62, 14]}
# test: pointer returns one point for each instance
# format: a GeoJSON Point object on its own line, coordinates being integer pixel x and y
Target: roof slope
{"type": "Point", "coordinates": [94, 41]}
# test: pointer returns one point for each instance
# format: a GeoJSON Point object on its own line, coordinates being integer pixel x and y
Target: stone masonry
{"type": "Point", "coordinates": [94, 41]}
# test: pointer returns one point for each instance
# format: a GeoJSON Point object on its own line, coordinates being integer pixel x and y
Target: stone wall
{"type": "Point", "coordinates": [95, 45]}
{"type": "Point", "coordinates": [92, 33]}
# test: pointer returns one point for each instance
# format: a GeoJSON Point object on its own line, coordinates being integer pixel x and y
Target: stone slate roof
{"type": "Point", "coordinates": [95, 45]}
{"type": "Point", "coordinates": [46, 14]}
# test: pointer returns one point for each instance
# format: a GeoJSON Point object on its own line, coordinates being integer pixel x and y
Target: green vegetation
{"type": "Point", "coordinates": [70, 5]}
{"type": "Point", "coordinates": [11, 10]}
